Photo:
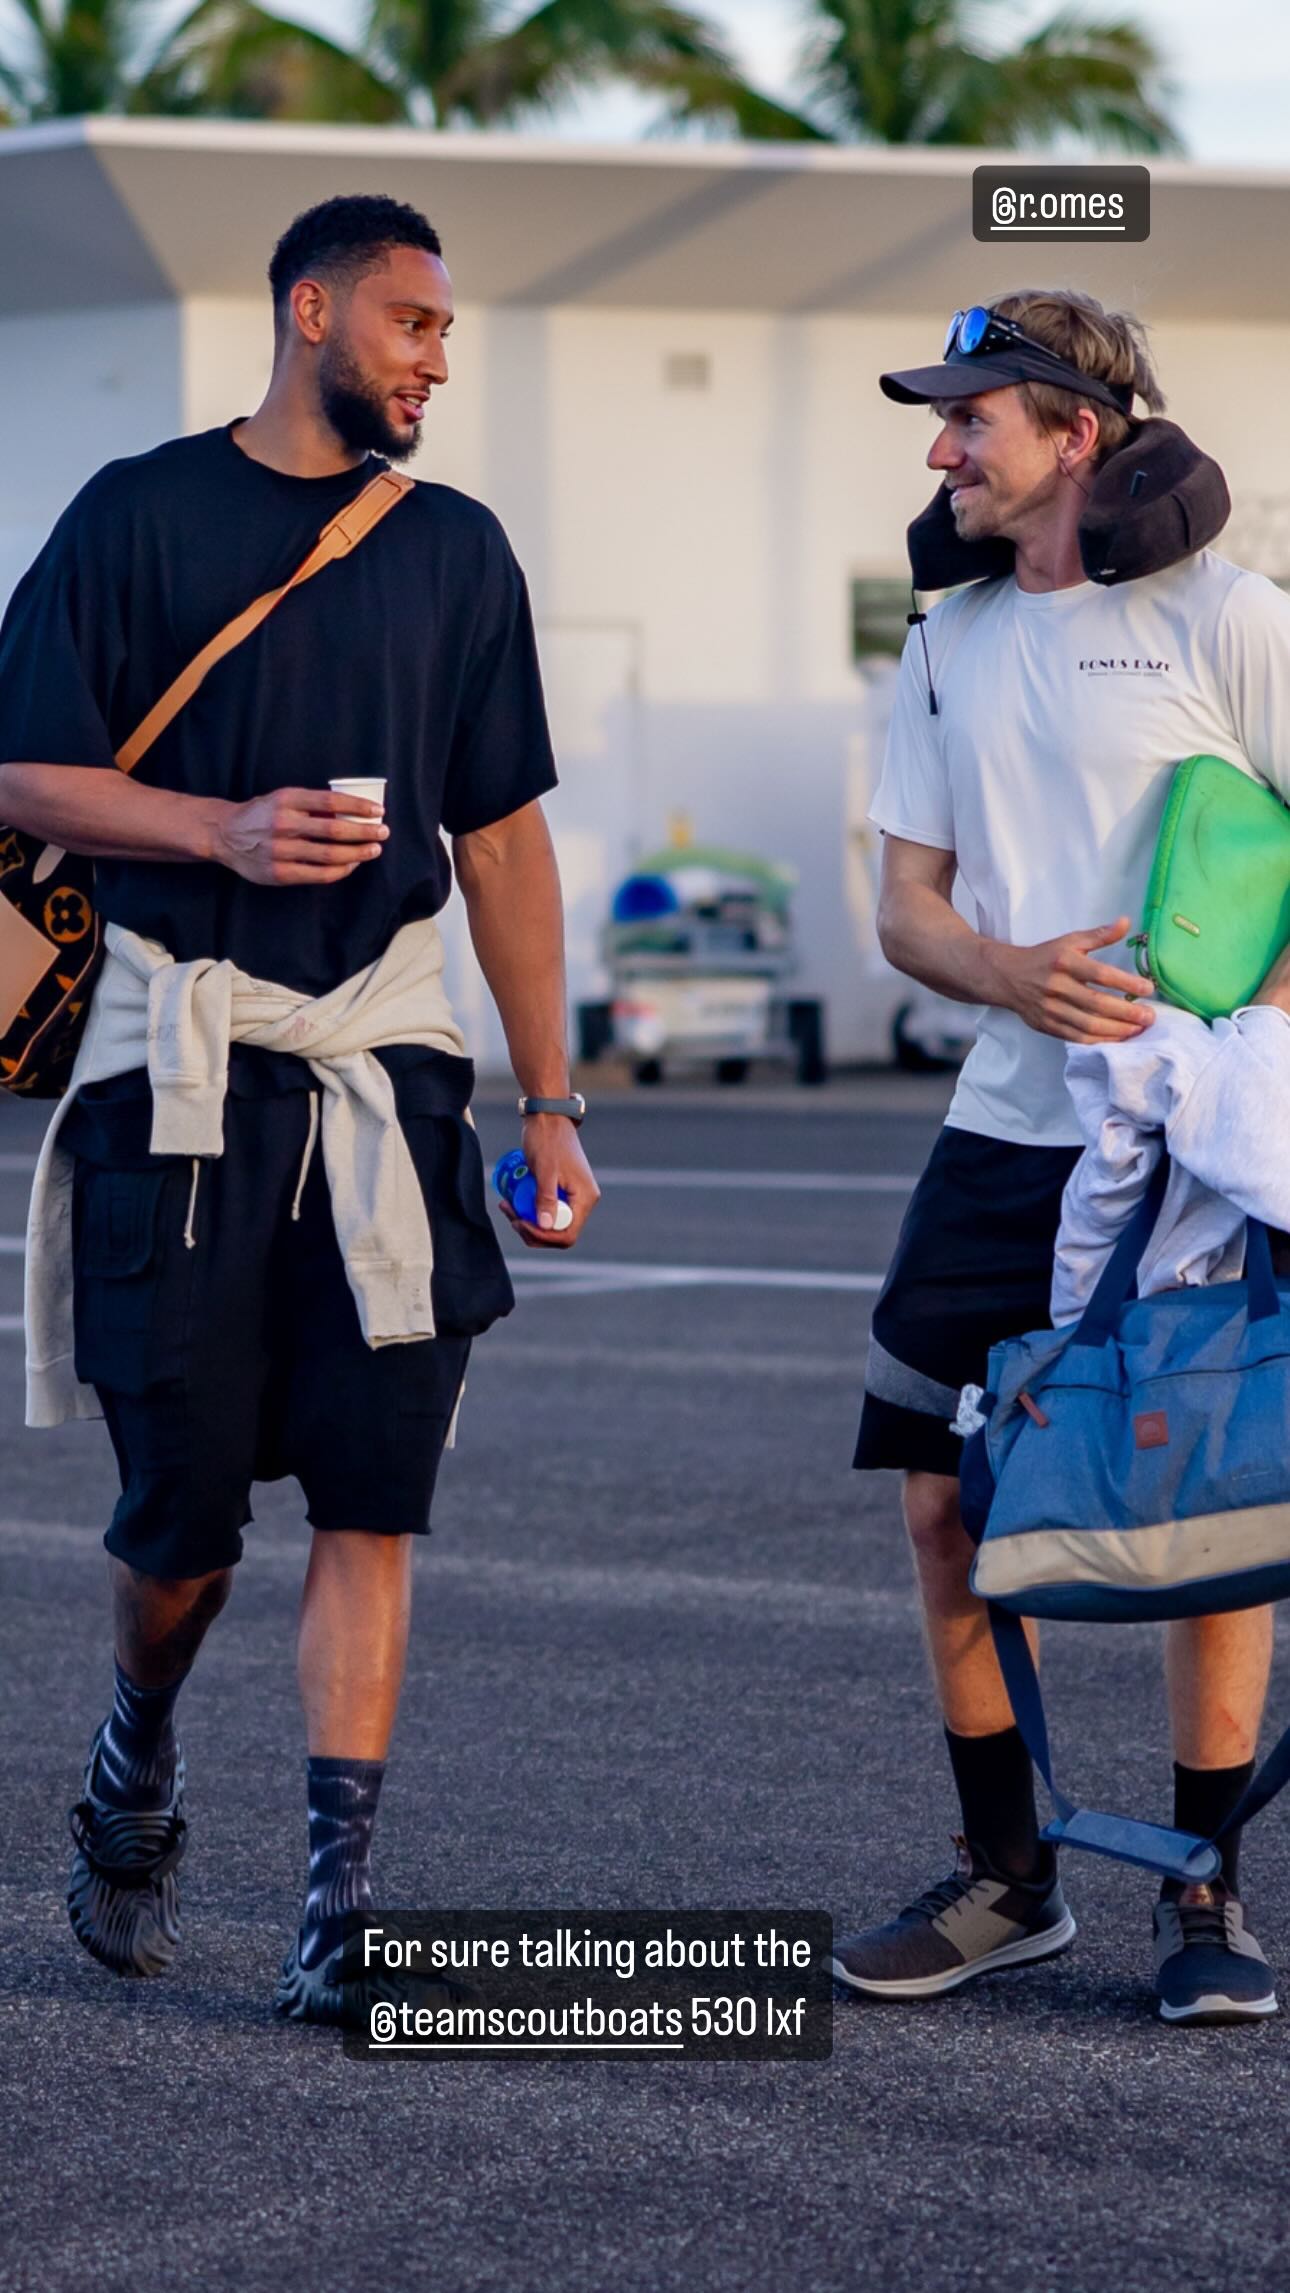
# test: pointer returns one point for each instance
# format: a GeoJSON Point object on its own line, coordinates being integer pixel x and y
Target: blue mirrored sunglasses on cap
{"type": "Point", "coordinates": [977, 329]}
{"type": "Point", "coordinates": [976, 332]}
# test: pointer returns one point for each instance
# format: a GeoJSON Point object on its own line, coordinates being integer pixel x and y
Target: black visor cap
{"type": "Point", "coordinates": [960, 377]}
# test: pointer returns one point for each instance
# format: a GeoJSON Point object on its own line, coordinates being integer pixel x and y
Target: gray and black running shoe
{"type": "Point", "coordinates": [336, 1989]}
{"type": "Point", "coordinates": [967, 1925]}
{"type": "Point", "coordinates": [123, 1896]}
{"type": "Point", "coordinates": [1208, 1967]}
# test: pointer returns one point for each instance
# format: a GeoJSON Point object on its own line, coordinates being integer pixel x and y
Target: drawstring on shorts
{"type": "Point", "coordinates": [190, 1229]}
{"type": "Point", "coordinates": [308, 1155]}
{"type": "Point", "coordinates": [311, 1141]}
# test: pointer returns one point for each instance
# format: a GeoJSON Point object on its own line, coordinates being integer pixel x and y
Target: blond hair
{"type": "Point", "coordinates": [1111, 345]}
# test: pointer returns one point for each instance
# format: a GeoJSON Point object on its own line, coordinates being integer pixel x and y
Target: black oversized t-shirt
{"type": "Point", "coordinates": [413, 659]}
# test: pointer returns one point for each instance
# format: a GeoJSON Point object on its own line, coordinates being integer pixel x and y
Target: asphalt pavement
{"type": "Point", "coordinates": [665, 1654]}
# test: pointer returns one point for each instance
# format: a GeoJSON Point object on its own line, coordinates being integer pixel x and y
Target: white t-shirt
{"type": "Point", "coordinates": [1062, 716]}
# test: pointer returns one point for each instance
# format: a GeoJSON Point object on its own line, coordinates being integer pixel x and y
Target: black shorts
{"type": "Point", "coordinates": [973, 1265]}
{"type": "Point", "coordinates": [241, 1358]}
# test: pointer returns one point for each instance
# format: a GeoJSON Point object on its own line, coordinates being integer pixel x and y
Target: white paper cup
{"type": "Point", "coordinates": [372, 792]}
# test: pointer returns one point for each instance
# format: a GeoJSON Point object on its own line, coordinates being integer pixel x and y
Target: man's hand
{"type": "Point", "coordinates": [298, 836]}
{"type": "Point", "coordinates": [1058, 988]}
{"type": "Point", "coordinates": [1276, 984]}
{"type": "Point", "coordinates": [553, 1152]}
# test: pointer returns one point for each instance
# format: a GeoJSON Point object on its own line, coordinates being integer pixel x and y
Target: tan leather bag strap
{"type": "Point", "coordinates": [336, 540]}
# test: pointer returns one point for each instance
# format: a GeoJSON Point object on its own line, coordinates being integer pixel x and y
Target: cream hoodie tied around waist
{"type": "Point", "coordinates": [178, 1020]}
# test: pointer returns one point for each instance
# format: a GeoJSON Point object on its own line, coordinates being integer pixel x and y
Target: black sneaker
{"type": "Point", "coordinates": [123, 1896]}
{"type": "Point", "coordinates": [971, 1923]}
{"type": "Point", "coordinates": [1208, 1967]}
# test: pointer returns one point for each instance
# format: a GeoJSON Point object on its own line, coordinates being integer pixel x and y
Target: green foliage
{"type": "Point", "coordinates": [449, 62]}
{"type": "Point", "coordinates": [884, 71]}
{"type": "Point", "coordinates": [227, 56]}
{"type": "Point", "coordinates": [920, 71]}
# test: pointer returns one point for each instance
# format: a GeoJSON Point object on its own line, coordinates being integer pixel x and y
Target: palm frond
{"type": "Point", "coordinates": [421, 43]}
{"type": "Point", "coordinates": [75, 61]}
{"type": "Point", "coordinates": [696, 96]}
{"type": "Point", "coordinates": [17, 86]}
{"type": "Point", "coordinates": [565, 46]}
{"type": "Point", "coordinates": [881, 69]}
{"type": "Point", "coordinates": [233, 58]}
{"type": "Point", "coordinates": [920, 71]}
{"type": "Point", "coordinates": [1096, 79]}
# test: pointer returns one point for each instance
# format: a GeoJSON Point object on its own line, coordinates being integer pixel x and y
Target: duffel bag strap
{"type": "Point", "coordinates": [1177, 1854]}
{"type": "Point", "coordinates": [1271, 1778]}
{"type": "Point", "coordinates": [1100, 1318]}
{"type": "Point", "coordinates": [1116, 1282]}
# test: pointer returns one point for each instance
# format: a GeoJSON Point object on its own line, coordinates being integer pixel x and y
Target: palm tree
{"type": "Point", "coordinates": [439, 62]}
{"type": "Point", "coordinates": [887, 71]}
{"type": "Point", "coordinates": [479, 63]}
{"type": "Point", "coordinates": [104, 56]}
{"type": "Point", "coordinates": [917, 71]}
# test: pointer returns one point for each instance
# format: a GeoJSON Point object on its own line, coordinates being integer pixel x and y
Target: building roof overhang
{"type": "Point", "coordinates": [106, 211]}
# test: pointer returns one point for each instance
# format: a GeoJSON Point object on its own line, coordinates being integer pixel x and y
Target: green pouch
{"type": "Point", "coordinates": [1218, 903]}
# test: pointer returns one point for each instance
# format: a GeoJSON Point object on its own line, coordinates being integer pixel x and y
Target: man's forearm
{"type": "Point", "coordinates": [107, 814]}
{"type": "Point", "coordinates": [922, 934]}
{"type": "Point", "coordinates": [511, 886]}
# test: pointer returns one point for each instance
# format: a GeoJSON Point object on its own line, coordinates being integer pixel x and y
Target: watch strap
{"type": "Point", "coordinates": [574, 1107]}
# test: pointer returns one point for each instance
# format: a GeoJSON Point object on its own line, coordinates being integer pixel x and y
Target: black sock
{"type": "Point", "coordinates": [1203, 1798]}
{"type": "Point", "coordinates": [137, 1753]}
{"type": "Point", "coordinates": [996, 1791]}
{"type": "Point", "coordinates": [342, 1810]}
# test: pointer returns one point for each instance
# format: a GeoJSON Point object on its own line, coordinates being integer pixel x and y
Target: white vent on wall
{"type": "Point", "coordinates": [687, 370]}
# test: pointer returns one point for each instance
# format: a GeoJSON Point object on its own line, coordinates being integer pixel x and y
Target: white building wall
{"type": "Point", "coordinates": [76, 389]}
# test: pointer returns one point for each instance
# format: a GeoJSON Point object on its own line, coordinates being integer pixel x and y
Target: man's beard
{"type": "Point", "coordinates": [356, 410]}
{"type": "Point", "coordinates": [976, 516]}
{"type": "Point", "coordinates": [989, 514]}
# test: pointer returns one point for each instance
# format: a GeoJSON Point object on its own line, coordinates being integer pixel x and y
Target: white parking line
{"type": "Point", "coordinates": [547, 1269]}
{"type": "Point", "coordinates": [13, 1245]}
{"type": "Point", "coordinates": [766, 1181]}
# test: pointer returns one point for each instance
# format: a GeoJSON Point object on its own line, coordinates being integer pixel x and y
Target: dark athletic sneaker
{"type": "Point", "coordinates": [123, 1896]}
{"type": "Point", "coordinates": [971, 1923]}
{"type": "Point", "coordinates": [1208, 1967]}
{"type": "Point", "coordinates": [341, 1992]}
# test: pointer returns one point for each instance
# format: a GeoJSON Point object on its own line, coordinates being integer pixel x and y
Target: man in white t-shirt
{"type": "Point", "coordinates": [1038, 718]}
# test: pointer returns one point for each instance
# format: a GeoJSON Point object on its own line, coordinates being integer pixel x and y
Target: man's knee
{"type": "Point", "coordinates": [940, 1544]}
{"type": "Point", "coordinates": [934, 1522]}
{"type": "Point", "coordinates": [147, 1594]}
{"type": "Point", "coordinates": [361, 1556]}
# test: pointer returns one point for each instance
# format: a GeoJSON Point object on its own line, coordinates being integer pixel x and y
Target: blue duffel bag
{"type": "Point", "coordinates": [1136, 1465]}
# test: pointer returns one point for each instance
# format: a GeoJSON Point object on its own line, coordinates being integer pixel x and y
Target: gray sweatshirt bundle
{"type": "Point", "coordinates": [1217, 1100]}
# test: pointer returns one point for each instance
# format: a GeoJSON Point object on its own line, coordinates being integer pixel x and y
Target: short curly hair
{"type": "Point", "coordinates": [343, 239]}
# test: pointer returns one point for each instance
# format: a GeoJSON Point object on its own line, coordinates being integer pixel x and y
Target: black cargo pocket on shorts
{"type": "Point", "coordinates": [470, 1288]}
{"type": "Point", "coordinates": [133, 1276]}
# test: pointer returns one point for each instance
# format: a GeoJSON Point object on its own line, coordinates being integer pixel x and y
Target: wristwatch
{"type": "Point", "coordinates": [575, 1106]}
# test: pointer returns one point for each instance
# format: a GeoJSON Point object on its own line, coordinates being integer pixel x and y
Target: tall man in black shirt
{"type": "Point", "coordinates": [216, 1318]}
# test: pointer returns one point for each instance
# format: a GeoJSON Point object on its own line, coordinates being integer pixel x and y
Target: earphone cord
{"type": "Point", "coordinates": [917, 620]}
